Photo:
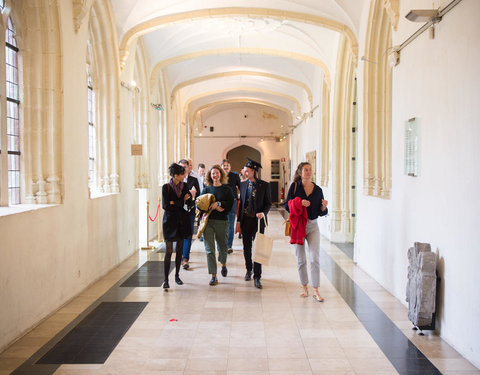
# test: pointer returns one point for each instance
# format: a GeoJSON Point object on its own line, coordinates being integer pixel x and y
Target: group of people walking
{"type": "Point", "coordinates": [304, 200]}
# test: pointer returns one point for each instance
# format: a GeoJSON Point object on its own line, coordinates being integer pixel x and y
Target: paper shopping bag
{"type": "Point", "coordinates": [262, 248]}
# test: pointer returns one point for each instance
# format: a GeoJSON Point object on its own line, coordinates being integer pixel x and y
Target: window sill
{"type": "Point", "coordinates": [19, 208]}
{"type": "Point", "coordinates": [101, 195]}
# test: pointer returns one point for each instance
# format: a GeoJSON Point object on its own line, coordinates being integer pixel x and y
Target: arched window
{"type": "Point", "coordinates": [30, 131]}
{"type": "Point", "coordinates": [10, 134]}
{"type": "Point", "coordinates": [103, 102]}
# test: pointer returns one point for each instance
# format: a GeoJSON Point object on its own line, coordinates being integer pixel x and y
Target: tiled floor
{"type": "Point", "coordinates": [233, 328]}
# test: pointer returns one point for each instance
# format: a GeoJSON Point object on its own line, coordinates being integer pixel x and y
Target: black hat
{"type": "Point", "coordinates": [253, 164]}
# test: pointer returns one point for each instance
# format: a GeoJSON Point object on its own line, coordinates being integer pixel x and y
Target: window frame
{"type": "Point", "coordinates": [10, 135]}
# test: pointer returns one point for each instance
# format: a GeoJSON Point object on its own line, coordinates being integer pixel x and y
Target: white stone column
{"type": "Point", "coordinates": [342, 150]}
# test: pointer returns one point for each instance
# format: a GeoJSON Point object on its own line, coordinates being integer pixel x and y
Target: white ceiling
{"type": "Point", "coordinates": [258, 51]}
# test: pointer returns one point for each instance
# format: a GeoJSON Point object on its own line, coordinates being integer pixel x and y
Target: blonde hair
{"type": "Point", "coordinates": [223, 176]}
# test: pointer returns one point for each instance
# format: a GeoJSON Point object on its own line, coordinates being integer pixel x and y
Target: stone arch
{"type": "Point", "coordinates": [102, 33]}
{"type": "Point", "coordinates": [141, 105]}
{"type": "Point", "coordinates": [377, 121]}
{"type": "Point", "coordinates": [238, 153]}
{"type": "Point", "coordinates": [156, 23]}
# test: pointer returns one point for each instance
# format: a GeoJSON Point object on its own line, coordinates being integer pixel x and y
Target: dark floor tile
{"type": "Point", "coordinates": [347, 248]}
{"type": "Point", "coordinates": [150, 274]}
{"type": "Point", "coordinates": [95, 337]}
{"type": "Point", "coordinates": [400, 351]}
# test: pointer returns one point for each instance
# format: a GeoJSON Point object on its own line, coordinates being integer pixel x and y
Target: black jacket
{"type": "Point", "coordinates": [193, 181]}
{"type": "Point", "coordinates": [262, 201]}
{"type": "Point", "coordinates": [176, 221]}
{"type": "Point", "coordinates": [234, 182]}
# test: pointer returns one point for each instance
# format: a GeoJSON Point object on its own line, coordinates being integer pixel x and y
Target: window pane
{"type": "Point", "coordinates": [13, 125]}
{"type": "Point", "coordinates": [92, 139]}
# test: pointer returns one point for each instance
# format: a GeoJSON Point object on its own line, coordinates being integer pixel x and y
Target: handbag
{"type": "Point", "coordinates": [262, 247]}
{"type": "Point", "coordinates": [287, 222]}
{"type": "Point", "coordinates": [287, 227]}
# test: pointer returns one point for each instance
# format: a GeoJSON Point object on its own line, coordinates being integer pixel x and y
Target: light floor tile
{"type": "Point", "coordinates": [252, 364]}
{"type": "Point", "coordinates": [288, 364]}
{"type": "Point", "coordinates": [234, 328]}
{"type": "Point", "coordinates": [330, 364]}
{"type": "Point", "coordinates": [286, 352]}
{"type": "Point", "coordinates": [206, 364]}
{"type": "Point", "coordinates": [247, 352]}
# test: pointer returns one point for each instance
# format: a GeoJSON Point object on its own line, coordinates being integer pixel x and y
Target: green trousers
{"type": "Point", "coordinates": [215, 231]}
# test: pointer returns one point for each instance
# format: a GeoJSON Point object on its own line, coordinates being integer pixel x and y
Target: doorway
{"type": "Point", "coordinates": [238, 157]}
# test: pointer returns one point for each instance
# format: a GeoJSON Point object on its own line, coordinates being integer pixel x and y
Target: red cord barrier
{"type": "Point", "coordinates": [155, 218]}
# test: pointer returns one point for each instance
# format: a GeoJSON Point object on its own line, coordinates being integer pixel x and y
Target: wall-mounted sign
{"type": "Point", "coordinates": [412, 144]}
{"type": "Point", "coordinates": [137, 150]}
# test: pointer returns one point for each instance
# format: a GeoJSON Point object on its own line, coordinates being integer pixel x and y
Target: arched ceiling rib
{"type": "Point", "coordinates": [244, 73]}
{"type": "Point", "coordinates": [280, 100]}
{"type": "Point", "coordinates": [218, 51]}
{"type": "Point", "coordinates": [157, 23]}
{"type": "Point", "coordinates": [218, 106]}
{"type": "Point", "coordinates": [239, 51]}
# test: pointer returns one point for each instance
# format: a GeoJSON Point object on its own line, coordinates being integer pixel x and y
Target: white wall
{"type": "Point", "coordinates": [307, 137]}
{"type": "Point", "coordinates": [50, 255]}
{"type": "Point", "coordinates": [232, 122]}
{"type": "Point", "coordinates": [437, 82]}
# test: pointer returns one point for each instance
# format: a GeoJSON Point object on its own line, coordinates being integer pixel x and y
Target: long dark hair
{"type": "Point", "coordinates": [298, 173]}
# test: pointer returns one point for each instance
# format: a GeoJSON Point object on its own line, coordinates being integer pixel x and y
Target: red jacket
{"type": "Point", "coordinates": [298, 221]}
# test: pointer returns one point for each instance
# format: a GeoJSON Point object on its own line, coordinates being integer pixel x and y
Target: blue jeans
{"type": "Point", "coordinates": [187, 242]}
{"type": "Point", "coordinates": [231, 224]}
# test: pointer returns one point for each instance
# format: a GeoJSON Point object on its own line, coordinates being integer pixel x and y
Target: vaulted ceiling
{"type": "Point", "coordinates": [214, 52]}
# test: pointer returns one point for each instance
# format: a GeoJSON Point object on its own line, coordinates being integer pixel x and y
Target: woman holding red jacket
{"type": "Point", "coordinates": [311, 197]}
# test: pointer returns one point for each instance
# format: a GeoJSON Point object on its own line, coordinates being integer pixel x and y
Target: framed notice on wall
{"type": "Point", "coordinates": [137, 150]}
{"type": "Point", "coordinates": [311, 157]}
{"type": "Point", "coordinates": [411, 164]}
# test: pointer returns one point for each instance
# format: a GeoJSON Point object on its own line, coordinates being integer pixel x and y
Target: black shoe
{"type": "Point", "coordinates": [213, 281]}
{"type": "Point", "coordinates": [248, 276]}
{"type": "Point", "coordinates": [224, 271]}
{"type": "Point", "coordinates": [229, 251]}
{"type": "Point", "coordinates": [178, 280]}
{"type": "Point", "coordinates": [257, 283]}
{"type": "Point", "coordinates": [166, 285]}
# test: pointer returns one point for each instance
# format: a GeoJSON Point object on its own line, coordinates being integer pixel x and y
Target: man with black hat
{"type": "Point", "coordinates": [255, 202]}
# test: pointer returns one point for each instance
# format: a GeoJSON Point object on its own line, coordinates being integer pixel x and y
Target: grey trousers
{"type": "Point", "coordinates": [313, 239]}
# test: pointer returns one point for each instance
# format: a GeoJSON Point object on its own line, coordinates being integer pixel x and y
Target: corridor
{"type": "Point", "coordinates": [233, 328]}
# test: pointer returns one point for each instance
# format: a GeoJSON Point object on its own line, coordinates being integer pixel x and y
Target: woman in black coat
{"type": "Point", "coordinates": [176, 201]}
